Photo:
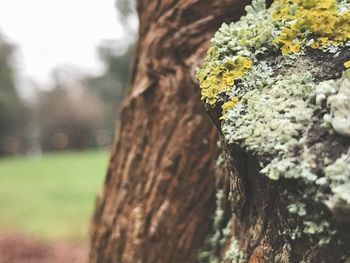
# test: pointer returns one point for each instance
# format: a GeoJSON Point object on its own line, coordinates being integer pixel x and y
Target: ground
{"type": "Point", "coordinates": [46, 204]}
{"type": "Point", "coordinates": [17, 248]}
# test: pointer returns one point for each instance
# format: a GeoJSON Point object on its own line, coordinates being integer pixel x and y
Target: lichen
{"type": "Point", "coordinates": [208, 253]}
{"type": "Point", "coordinates": [234, 254]}
{"type": "Point", "coordinates": [274, 121]}
{"type": "Point", "coordinates": [228, 105]}
{"type": "Point", "coordinates": [337, 177]}
{"type": "Point", "coordinates": [322, 229]}
{"type": "Point", "coordinates": [260, 72]}
{"type": "Point", "coordinates": [339, 103]}
{"type": "Point", "coordinates": [234, 43]}
{"type": "Point", "coordinates": [291, 25]}
{"type": "Point", "coordinates": [218, 76]}
{"type": "Point", "coordinates": [268, 120]}
{"type": "Point", "coordinates": [315, 22]}
{"type": "Point", "coordinates": [347, 64]}
{"type": "Point", "coordinates": [247, 35]}
{"type": "Point", "coordinates": [219, 237]}
{"type": "Point", "coordinates": [297, 208]}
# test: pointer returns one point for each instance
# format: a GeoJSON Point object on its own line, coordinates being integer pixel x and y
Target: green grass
{"type": "Point", "coordinates": [52, 196]}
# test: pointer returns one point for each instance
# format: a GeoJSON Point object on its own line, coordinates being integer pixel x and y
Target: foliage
{"type": "Point", "coordinates": [68, 120]}
{"type": "Point", "coordinates": [111, 86]}
{"type": "Point", "coordinates": [11, 107]}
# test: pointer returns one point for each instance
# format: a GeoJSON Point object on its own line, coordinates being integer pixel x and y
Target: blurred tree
{"type": "Point", "coordinates": [126, 13]}
{"type": "Point", "coordinates": [67, 119]}
{"type": "Point", "coordinates": [11, 106]}
{"type": "Point", "coordinates": [117, 56]}
{"type": "Point", "coordinates": [158, 200]}
{"type": "Point", "coordinates": [111, 85]}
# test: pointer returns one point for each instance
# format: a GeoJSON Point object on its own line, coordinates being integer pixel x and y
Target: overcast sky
{"type": "Point", "coordinates": [54, 32]}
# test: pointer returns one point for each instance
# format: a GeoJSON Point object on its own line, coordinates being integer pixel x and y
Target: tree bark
{"type": "Point", "coordinates": [166, 197]}
{"type": "Point", "coordinates": [158, 198]}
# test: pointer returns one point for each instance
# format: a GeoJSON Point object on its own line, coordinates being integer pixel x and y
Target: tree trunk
{"type": "Point", "coordinates": [158, 198]}
{"type": "Point", "coordinates": [170, 197]}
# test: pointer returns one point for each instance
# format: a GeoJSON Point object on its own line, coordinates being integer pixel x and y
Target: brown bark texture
{"type": "Point", "coordinates": [160, 201]}
{"type": "Point", "coordinates": [158, 198]}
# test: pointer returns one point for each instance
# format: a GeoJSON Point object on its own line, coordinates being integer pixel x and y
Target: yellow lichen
{"type": "Point", "coordinates": [296, 24]}
{"type": "Point", "coordinates": [347, 64]}
{"type": "Point", "coordinates": [217, 77]}
{"type": "Point", "coordinates": [228, 106]}
{"type": "Point", "coordinates": [316, 18]}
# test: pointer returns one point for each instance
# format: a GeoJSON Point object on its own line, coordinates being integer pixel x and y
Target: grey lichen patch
{"type": "Point", "coordinates": [297, 208]}
{"type": "Point", "coordinates": [273, 122]}
{"type": "Point", "coordinates": [247, 35]}
{"type": "Point", "coordinates": [268, 121]}
{"type": "Point", "coordinates": [339, 103]}
{"type": "Point", "coordinates": [337, 178]}
{"type": "Point", "coordinates": [209, 253]}
{"type": "Point", "coordinates": [234, 254]}
{"type": "Point", "coordinates": [287, 67]}
{"type": "Point", "coordinates": [218, 239]}
{"type": "Point", "coordinates": [286, 100]}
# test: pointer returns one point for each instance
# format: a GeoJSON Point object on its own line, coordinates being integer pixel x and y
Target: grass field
{"type": "Point", "coordinates": [52, 196]}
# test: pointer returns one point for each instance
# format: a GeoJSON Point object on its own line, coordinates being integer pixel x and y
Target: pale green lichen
{"type": "Point", "coordinates": [234, 43]}
{"type": "Point", "coordinates": [321, 229]}
{"type": "Point", "coordinates": [343, 6]}
{"type": "Point", "coordinates": [234, 254]}
{"type": "Point", "coordinates": [337, 177]}
{"type": "Point", "coordinates": [248, 35]}
{"type": "Point", "coordinates": [208, 254]}
{"type": "Point", "coordinates": [291, 25]}
{"type": "Point", "coordinates": [218, 239]}
{"type": "Point", "coordinates": [339, 103]}
{"type": "Point", "coordinates": [268, 120]}
{"type": "Point", "coordinates": [297, 208]}
{"type": "Point", "coordinates": [271, 106]}
{"type": "Point", "coordinates": [275, 121]}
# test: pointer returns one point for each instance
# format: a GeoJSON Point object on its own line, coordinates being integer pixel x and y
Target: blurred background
{"type": "Point", "coordinates": [64, 67]}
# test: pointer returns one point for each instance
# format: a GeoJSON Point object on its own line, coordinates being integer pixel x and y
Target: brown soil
{"type": "Point", "coordinates": [17, 248]}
